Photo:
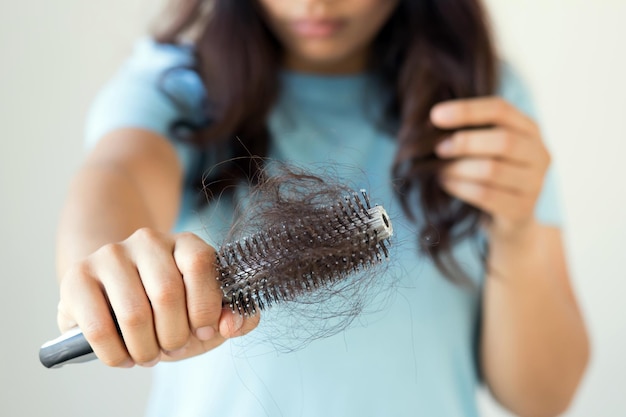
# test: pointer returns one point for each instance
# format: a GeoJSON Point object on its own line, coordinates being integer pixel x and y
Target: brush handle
{"type": "Point", "coordinates": [70, 347]}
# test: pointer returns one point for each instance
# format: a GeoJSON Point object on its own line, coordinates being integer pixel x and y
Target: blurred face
{"type": "Point", "coordinates": [326, 36]}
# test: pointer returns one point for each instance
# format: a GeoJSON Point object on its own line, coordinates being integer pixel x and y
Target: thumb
{"type": "Point", "coordinates": [233, 324]}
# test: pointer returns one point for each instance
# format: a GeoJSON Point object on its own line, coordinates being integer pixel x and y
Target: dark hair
{"type": "Point", "coordinates": [429, 51]}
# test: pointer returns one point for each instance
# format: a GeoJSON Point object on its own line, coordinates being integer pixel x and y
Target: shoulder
{"type": "Point", "coordinates": [154, 87]}
{"type": "Point", "coordinates": [170, 66]}
{"type": "Point", "coordinates": [151, 56]}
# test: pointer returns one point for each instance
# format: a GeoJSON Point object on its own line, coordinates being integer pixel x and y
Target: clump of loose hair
{"type": "Point", "coordinates": [321, 264]}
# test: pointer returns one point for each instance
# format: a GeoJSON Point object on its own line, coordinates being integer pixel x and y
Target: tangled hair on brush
{"type": "Point", "coordinates": [428, 51]}
{"type": "Point", "coordinates": [321, 259]}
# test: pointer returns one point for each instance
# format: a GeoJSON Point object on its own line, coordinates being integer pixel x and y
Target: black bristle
{"type": "Point", "coordinates": [268, 268]}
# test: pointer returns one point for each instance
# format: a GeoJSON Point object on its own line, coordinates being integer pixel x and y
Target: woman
{"type": "Point", "coordinates": [408, 92]}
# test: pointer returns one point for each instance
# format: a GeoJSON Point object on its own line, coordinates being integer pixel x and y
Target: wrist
{"type": "Point", "coordinates": [514, 234]}
{"type": "Point", "coordinates": [515, 251]}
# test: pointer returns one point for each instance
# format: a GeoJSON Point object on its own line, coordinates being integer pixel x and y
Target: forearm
{"type": "Point", "coordinates": [534, 344]}
{"type": "Point", "coordinates": [103, 206]}
{"type": "Point", "coordinates": [131, 180]}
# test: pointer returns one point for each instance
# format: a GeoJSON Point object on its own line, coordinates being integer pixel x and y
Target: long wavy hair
{"type": "Point", "coordinates": [428, 51]}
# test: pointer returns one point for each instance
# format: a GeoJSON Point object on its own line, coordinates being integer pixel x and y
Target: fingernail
{"type": "Point", "coordinates": [205, 333]}
{"type": "Point", "coordinates": [445, 147]}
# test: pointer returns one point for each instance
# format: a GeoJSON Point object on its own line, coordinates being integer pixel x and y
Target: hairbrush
{"type": "Point", "coordinates": [279, 264]}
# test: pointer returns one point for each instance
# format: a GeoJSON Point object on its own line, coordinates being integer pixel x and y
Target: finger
{"type": "Point", "coordinates": [90, 311]}
{"type": "Point", "coordinates": [492, 200]}
{"type": "Point", "coordinates": [233, 324]}
{"type": "Point", "coordinates": [164, 287]}
{"type": "Point", "coordinates": [481, 112]}
{"type": "Point", "coordinates": [495, 142]}
{"type": "Point", "coordinates": [193, 348]}
{"type": "Point", "coordinates": [196, 262]}
{"type": "Point", "coordinates": [65, 321]}
{"type": "Point", "coordinates": [130, 304]}
{"type": "Point", "coordinates": [493, 173]}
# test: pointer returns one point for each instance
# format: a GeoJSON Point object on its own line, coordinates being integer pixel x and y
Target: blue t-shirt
{"type": "Point", "coordinates": [414, 354]}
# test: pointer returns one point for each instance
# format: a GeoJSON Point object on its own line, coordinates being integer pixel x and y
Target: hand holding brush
{"type": "Point", "coordinates": [186, 299]}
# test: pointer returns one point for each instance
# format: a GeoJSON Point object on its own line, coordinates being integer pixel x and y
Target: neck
{"type": "Point", "coordinates": [354, 64]}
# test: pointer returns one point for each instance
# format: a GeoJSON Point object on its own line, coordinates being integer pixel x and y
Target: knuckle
{"type": "Point", "coordinates": [134, 316]}
{"type": "Point", "coordinates": [174, 342]}
{"type": "Point", "coordinates": [113, 359]}
{"type": "Point", "coordinates": [198, 261]}
{"type": "Point", "coordinates": [99, 333]}
{"type": "Point", "coordinates": [146, 234]}
{"type": "Point", "coordinates": [111, 251]}
{"type": "Point", "coordinates": [169, 293]}
{"type": "Point", "coordinates": [145, 355]}
{"type": "Point", "coordinates": [204, 313]}
{"type": "Point", "coordinates": [186, 235]}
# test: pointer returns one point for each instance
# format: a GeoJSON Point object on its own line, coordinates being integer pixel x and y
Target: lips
{"type": "Point", "coordinates": [321, 28]}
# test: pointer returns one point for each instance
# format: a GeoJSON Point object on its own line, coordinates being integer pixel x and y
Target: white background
{"type": "Point", "coordinates": [54, 55]}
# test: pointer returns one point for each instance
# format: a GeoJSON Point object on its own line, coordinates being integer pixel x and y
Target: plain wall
{"type": "Point", "coordinates": [54, 56]}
